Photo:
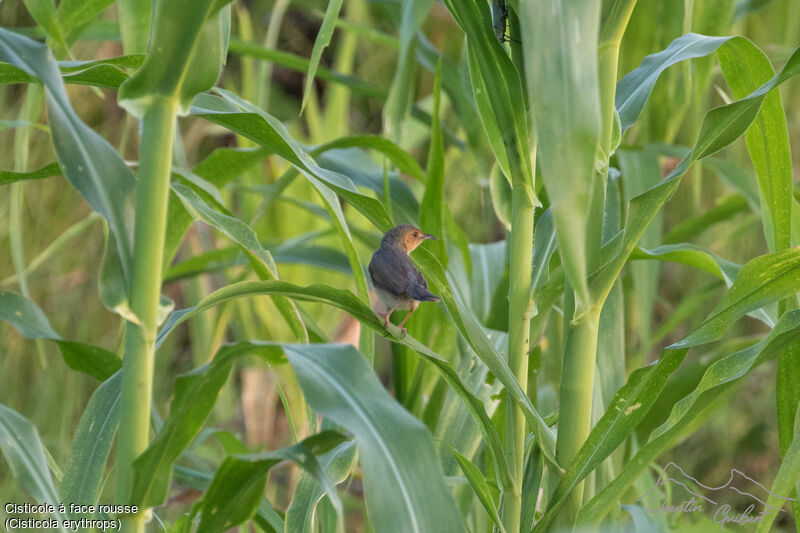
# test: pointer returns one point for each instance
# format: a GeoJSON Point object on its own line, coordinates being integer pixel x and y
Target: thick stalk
{"type": "Point", "coordinates": [152, 191]}
{"type": "Point", "coordinates": [575, 397]}
{"type": "Point", "coordinates": [518, 345]}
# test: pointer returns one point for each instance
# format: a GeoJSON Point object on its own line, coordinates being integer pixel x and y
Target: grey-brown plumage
{"type": "Point", "coordinates": [396, 280]}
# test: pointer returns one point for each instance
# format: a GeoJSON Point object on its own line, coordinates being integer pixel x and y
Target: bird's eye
{"type": "Point", "coordinates": [416, 234]}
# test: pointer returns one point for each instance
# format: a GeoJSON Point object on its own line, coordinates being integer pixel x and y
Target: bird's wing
{"type": "Point", "coordinates": [388, 273]}
{"type": "Point", "coordinates": [418, 287]}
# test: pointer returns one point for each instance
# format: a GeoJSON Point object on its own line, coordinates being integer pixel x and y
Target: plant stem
{"type": "Point", "coordinates": [152, 192]}
{"type": "Point", "coordinates": [575, 397]}
{"type": "Point", "coordinates": [518, 345]}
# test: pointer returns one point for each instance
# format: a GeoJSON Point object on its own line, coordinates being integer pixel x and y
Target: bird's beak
{"type": "Point", "coordinates": [429, 236]}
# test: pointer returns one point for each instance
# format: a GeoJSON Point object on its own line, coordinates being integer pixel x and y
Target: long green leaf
{"type": "Point", "coordinates": [25, 455]}
{"type": "Point", "coordinates": [320, 43]}
{"type": "Point", "coordinates": [194, 397]}
{"type": "Point", "coordinates": [719, 377]}
{"type": "Point", "coordinates": [721, 126]}
{"type": "Point", "coordinates": [498, 84]}
{"type": "Point", "coordinates": [348, 302]}
{"type": "Point", "coordinates": [336, 464]}
{"type": "Point", "coordinates": [87, 160]}
{"type": "Point", "coordinates": [404, 486]}
{"type": "Point", "coordinates": [561, 42]}
{"type": "Point", "coordinates": [481, 488]}
{"type": "Point", "coordinates": [91, 445]}
{"type": "Point", "coordinates": [186, 34]}
{"type": "Point", "coordinates": [27, 318]}
{"type": "Point", "coordinates": [765, 279]}
{"type": "Point", "coordinates": [634, 89]}
{"type": "Point", "coordinates": [401, 92]}
{"type": "Point", "coordinates": [238, 485]}
{"type": "Point", "coordinates": [431, 213]}
{"type": "Point", "coordinates": [785, 481]}
{"type": "Point", "coordinates": [745, 68]}
{"type": "Point", "coordinates": [243, 235]}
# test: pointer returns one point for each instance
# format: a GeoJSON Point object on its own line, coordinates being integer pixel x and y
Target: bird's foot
{"type": "Point", "coordinates": [402, 333]}
{"type": "Point", "coordinates": [385, 320]}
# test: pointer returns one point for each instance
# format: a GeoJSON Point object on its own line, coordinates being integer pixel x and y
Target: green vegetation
{"type": "Point", "coordinates": [194, 189]}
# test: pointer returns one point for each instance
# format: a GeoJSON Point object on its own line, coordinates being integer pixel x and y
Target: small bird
{"type": "Point", "coordinates": [397, 281]}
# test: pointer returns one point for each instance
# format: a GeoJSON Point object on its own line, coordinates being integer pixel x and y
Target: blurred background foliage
{"type": "Point", "coordinates": [269, 47]}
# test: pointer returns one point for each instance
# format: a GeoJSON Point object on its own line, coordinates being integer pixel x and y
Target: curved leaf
{"type": "Point", "coordinates": [718, 378]}
{"type": "Point", "coordinates": [87, 160]}
{"type": "Point", "coordinates": [238, 485]}
{"type": "Point", "coordinates": [25, 455]}
{"type": "Point", "coordinates": [762, 280]}
{"type": "Point", "coordinates": [320, 43]}
{"type": "Point", "coordinates": [720, 127]}
{"type": "Point", "coordinates": [91, 445]}
{"type": "Point", "coordinates": [27, 318]}
{"type": "Point", "coordinates": [399, 158]}
{"type": "Point", "coordinates": [403, 482]}
{"type": "Point", "coordinates": [347, 301]}
{"type": "Point", "coordinates": [336, 464]}
{"type": "Point", "coordinates": [194, 397]}
{"type": "Point", "coordinates": [745, 68]}
{"type": "Point", "coordinates": [186, 34]}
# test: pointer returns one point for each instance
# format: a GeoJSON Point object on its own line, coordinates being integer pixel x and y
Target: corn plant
{"type": "Point", "coordinates": [616, 269]}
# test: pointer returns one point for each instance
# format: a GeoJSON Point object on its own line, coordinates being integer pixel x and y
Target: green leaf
{"type": "Point", "coordinates": [29, 320]}
{"type": "Point", "coordinates": [238, 485]}
{"type": "Point", "coordinates": [220, 167]}
{"type": "Point", "coordinates": [785, 480]}
{"type": "Point", "coordinates": [320, 43]}
{"type": "Point", "coordinates": [74, 14]}
{"type": "Point", "coordinates": [399, 158]}
{"type": "Point", "coordinates": [91, 445]}
{"type": "Point", "coordinates": [187, 35]}
{"type": "Point", "coordinates": [243, 235]}
{"type": "Point", "coordinates": [745, 68]}
{"type": "Point", "coordinates": [87, 160]}
{"type": "Point", "coordinates": [720, 127]}
{"type": "Point", "coordinates": [194, 396]}
{"type": "Point", "coordinates": [25, 455]}
{"type": "Point", "coordinates": [309, 492]}
{"type": "Point", "coordinates": [628, 407]}
{"type": "Point", "coordinates": [44, 13]}
{"type": "Point", "coordinates": [403, 483]}
{"type": "Point", "coordinates": [401, 92]}
{"type": "Point", "coordinates": [267, 131]}
{"type": "Point", "coordinates": [481, 488]}
{"type": "Point", "coordinates": [498, 93]}
{"type": "Point", "coordinates": [563, 87]}
{"type": "Point", "coordinates": [347, 301]}
{"type": "Point", "coordinates": [692, 255]}
{"type": "Point", "coordinates": [634, 88]}
{"type": "Point", "coordinates": [266, 516]}
{"type": "Point", "coordinates": [717, 379]}
{"type": "Point", "coordinates": [765, 279]}
{"type": "Point", "coordinates": [431, 212]}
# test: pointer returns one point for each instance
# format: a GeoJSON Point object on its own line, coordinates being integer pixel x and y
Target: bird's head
{"type": "Point", "coordinates": [406, 237]}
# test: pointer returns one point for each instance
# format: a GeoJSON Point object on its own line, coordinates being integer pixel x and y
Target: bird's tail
{"type": "Point", "coordinates": [428, 297]}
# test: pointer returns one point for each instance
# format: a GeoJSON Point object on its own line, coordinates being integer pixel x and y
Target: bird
{"type": "Point", "coordinates": [396, 280]}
